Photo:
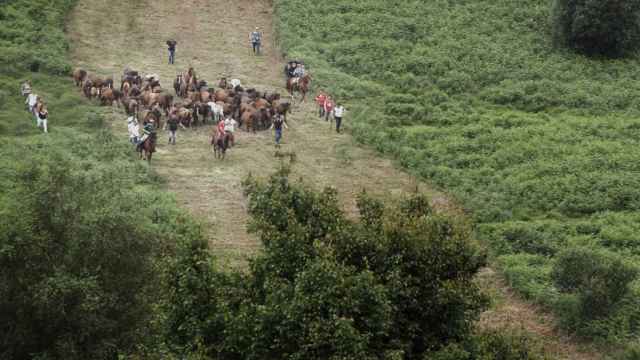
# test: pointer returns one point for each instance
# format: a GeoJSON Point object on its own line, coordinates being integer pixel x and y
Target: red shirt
{"type": "Point", "coordinates": [328, 105]}
{"type": "Point", "coordinates": [221, 127]}
{"type": "Point", "coordinates": [320, 99]}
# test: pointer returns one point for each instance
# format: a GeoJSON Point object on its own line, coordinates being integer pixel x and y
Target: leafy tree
{"type": "Point", "coordinates": [395, 284]}
{"type": "Point", "coordinates": [598, 27]}
{"type": "Point", "coordinates": [77, 251]}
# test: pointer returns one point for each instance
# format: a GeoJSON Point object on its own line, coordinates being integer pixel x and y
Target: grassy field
{"type": "Point", "coordinates": [539, 144]}
{"type": "Point", "coordinates": [211, 189]}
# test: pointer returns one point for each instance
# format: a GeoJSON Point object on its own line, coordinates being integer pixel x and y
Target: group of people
{"type": "Point", "coordinates": [35, 105]}
{"type": "Point", "coordinates": [329, 109]}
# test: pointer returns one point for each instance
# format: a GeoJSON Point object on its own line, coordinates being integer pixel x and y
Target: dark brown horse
{"type": "Point", "coordinates": [220, 145]}
{"type": "Point", "coordinates": [300, 85]}
{"type": "Point", "coordinates": [148, 147]}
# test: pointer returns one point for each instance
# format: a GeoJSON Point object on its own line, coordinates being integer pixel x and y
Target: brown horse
{"type": "Point", "coordinates": [79, 75]}
{"type": "Point", "coordinates": [148, 147]}
{"type": "Point", "coordinates": [299, 84]}
{"type": "Point", "coordinates": [220, 145]}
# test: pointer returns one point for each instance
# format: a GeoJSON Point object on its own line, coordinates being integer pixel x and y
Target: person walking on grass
{"type": "Point", "coordinates": [255, 37]}
{"type": "Point", "coordinates": [43, 116]}
{"type": "Point", "coordinates": [277, 124]}
{"type": "Point", "coordinates": [328, 108]}
{"type": "Point", "coordinates": [172, 50]}
{"type": "Point", "coordinates": [338, 112]}
{"type": "Point", "coordinates": [320, 99]}
{"type": "Point", "coordinates": [172, 123]}
{"type": "Point", "coordinates": [32, 100]}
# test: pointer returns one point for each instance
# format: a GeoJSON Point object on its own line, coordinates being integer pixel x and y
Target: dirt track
{"type": "Point", "coordinates": [212, 35]}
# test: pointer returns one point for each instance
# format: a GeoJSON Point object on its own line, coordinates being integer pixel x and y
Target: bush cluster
{"type": "Point", "coordinates": [598, 27]}
{"type": "Point", "coordinates": [398, 283]}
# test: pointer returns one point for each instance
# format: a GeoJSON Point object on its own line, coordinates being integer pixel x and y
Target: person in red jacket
{"type": "Point", "coordinates": [320, 99]}
{"type": "Point", "coordinates": [328, 108]}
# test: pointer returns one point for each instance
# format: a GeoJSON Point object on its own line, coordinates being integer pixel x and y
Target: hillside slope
{"type": "Point", "coordinates": [212, 37]}
{"type": "Point", "coordinates": [538, 143]}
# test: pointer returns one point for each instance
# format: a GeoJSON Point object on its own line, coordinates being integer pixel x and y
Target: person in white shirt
{"type": "Point", "coordinates": [32, 100]}
{"type": "Point", "coordinates": [134, 129]}
{"type": "Point", "coordinates": [230, 128]}
{"type": "Point", "coordinates": [338, 112]}
{"type": "Point", "coordinates": [25, 89]}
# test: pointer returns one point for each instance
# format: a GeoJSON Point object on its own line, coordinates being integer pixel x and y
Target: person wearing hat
{"type": "Point", "coordinates": [255, 37]}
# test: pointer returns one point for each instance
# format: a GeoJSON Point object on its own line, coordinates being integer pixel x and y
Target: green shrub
{"type": "Point", "coordinates": [78, 249]}
{"type": "Point", "coordinates": [602, 27]}
{"type": "Point", "coordinates": [491, 344]}
{"type": "Point", "coordinates": [395, 284]}
{"type": "Point", "coordinates": [599, 279]}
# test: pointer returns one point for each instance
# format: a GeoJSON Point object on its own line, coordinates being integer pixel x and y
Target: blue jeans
{"type": "Point", "coordinates": [172, 56]}
{"type": "Point", "coordinates": [256, 47]}
{"type": "Point", "coordinates": [278, 136]}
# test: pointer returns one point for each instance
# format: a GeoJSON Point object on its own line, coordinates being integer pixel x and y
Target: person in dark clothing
{"type": "Point", "coordinates": [255, 37]}
{"type": "Point", "coordinates": [277, 124]}
{"type": "Point", "coordinates": [172, 123]}
{"type": "Point", "coordinates": [172, 50]}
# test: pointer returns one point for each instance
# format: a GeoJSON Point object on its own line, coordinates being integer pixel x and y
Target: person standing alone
{"type": "Point", "coordinates": [255, 37]}
{"type": "Point", "coordinates": [278, 123]}
{"type": "Point", "coordinates": [172, 123]}
{"type": "Point", "coordinates": [338, 112]}
{"type": "Point", "coordinates": [172, 50]}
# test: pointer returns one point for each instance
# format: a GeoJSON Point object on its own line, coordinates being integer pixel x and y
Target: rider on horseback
{"type": "Point", "coordinates": [299, 71]}
{"type": "Point", "coordinates": [229, 128]}
{"type": "Point", "coordinates": [148, 130]}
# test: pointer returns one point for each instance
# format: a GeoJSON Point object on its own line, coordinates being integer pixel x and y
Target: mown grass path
{"type": "Point", "coordinates": [212, 36]}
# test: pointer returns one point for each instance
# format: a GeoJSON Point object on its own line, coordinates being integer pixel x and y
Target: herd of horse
{"type": "Point", "coordinates": [193, 101]}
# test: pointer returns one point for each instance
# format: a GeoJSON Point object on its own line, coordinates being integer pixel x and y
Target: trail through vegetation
{"type": "Point", "coordinates": [212, 37]}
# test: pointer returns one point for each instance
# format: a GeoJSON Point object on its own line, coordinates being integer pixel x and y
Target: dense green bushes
{"type": "Point", "coordinates": [602, 27]}
{"type": "Point", "coordinates": [82, 228]}
{"type": "Point", "coordinates": [79, 245]}
{"type": "Point", "coordinates": [32, 36]}
{"type": "Point", "coordinates": [396, 284]}
{"type": "Point", "coordinates": [539, 143]}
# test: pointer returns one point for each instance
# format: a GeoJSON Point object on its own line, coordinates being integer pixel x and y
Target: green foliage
{"type": "Point", "coordinates": [79, 243]}
{"type": "Point", "coordinates": [491, 344]}
{"type": "Point", "coordinates": [32, 36]}
{"type": "Point", "coordinates": [602, 27]}
{"type": "Point", "coordinates": [598, 281]}
{"type": "Point", "coordinates": [538, 143]}
{"type": "Point", "coordinates": [395, 284]}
